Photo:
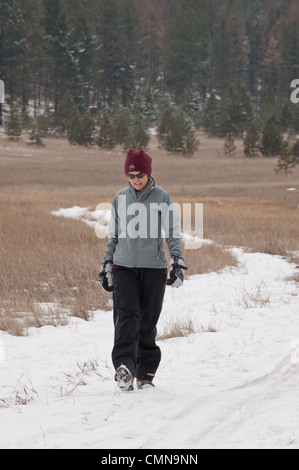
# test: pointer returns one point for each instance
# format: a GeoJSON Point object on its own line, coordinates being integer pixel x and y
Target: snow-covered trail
{"type": "Point", "coordinates": [234, 387]}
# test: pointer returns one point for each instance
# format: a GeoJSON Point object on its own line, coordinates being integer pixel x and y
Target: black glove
{"type": "Point", "coordinates": [176, 275]}
{"type": "Point", "coordinates": [105, 276]}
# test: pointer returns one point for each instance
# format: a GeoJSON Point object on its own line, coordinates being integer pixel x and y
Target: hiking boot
{"type": "Point", "coordinates": [124, 379]}
{"type": "Point", "coordinates": [143, 384]}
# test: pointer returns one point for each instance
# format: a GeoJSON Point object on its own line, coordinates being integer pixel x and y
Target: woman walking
{"type": "Point", "coordinates": [135, 269]}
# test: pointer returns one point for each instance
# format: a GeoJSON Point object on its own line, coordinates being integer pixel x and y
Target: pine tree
{"type": "Point", "coordinates": [181, 51]}
{"type": "Point", "coordinates": [12, 48]}
{"type": "Point", "coordinates": [272, 62]}
{"type": "Point", "coordinates": [247, 113]}
{"type": "Point", "coordinates": [45, 122]}
{"type": "Point", "coordinates": [287, 160]}
{"type": "Point", "coordinates": [138, 139]}
{"type": "Point", "coordinates": [82, 131]}
{"type": "Point", "coordinates": [36, 61]}
{"type": "Point", "coordinates": [82, 52]}
{"type": "Point", "coordinates": [172, 131]}
{"type": "Point", "coordinates": [210, 119]}
{"type": "Point", "coordinates": [106, 135]}
{"type": "Point", "coordinates": [13, 126]}
{"type": "Point", "coordinates": [252, 140]}
{"type": "Point", "coordinates": [58, 49]}
{"type": "Point", "coordinates": [254, 32]}
{"type": "Point", "coordinates": [221, 59]}
{"type": "Point", "coordinates": [286, 116]}
{"type": "Point", "coordinates": [289, 63]}
{"type": "Point", "coordinates": [268, 104]}
{"type": "Point", "coordinates": [92, 49]}
{"type": "Point", "coordinates": [123, 125]}
{"type": "Point", "coordinates": [238, 39]}
{"type": "Point", "coordinates": [295, 150]}
{"type": "Point", "coordinates": [130, 54]}
{"type": "Point", "coordinates": [205, 18]}
{"type": "Point", "coordinates": [67, 113]}
{"type": "Point", "coordinates": [117, 48]}
{"type": "Point", "coordinates": [235, 112]}
{"type": "Point", "coordinates": [142, 137]}
{"type": "Point", "coordinates": [152, 53]}
{"type": "Point", "coordinates": [35, 136]}
{"type": "Point", "coordinates": [271, 138]}
{"type": "Point", "coordinates": [191, 143]}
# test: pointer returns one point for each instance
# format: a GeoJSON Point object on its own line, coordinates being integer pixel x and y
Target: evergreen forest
{"type": "Point", "coordinates": [71, 67]}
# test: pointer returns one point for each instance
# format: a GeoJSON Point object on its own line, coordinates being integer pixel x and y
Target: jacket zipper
{"type": "Point", "coordinates": [136, 248]}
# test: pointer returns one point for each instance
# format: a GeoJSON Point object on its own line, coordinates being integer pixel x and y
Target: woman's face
{"type": "Point", "coordinates": [138, 183]}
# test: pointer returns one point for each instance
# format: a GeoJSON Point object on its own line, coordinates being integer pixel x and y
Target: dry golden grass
{"type": "Point", "coordinates": [47, 260]}
{"type": "Point", "coordinates": [208, 258]}
{"type": "Point", "coordinates": [178, 328]}
{"type": "Point", "coordinates": [263, 225]}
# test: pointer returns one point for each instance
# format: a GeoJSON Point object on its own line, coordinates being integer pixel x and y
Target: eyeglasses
{"type": "Point", "coordinates": [139, 176]}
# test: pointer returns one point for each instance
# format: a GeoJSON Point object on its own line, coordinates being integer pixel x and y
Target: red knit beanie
{"type": "Point", "coordinates": [138, 161]}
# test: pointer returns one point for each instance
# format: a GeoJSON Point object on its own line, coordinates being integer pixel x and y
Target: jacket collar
{"type": "Point", "coordinates": [145, 191]}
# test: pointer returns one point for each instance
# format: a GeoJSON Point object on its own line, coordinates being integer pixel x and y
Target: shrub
{"type": "Point", "coordinates": [295, 150]}
{"type": "Point", "coordinates": [13, 127]}
{"type": "Point", "coordinates": [138, 139]}
{"type": "Point", "coordinates": [106, 136]}
{"type": "Point", "coordinates": [252, 141]}
{"type": "Point", "coordinates": [229, 145]}
{"type": "Point", "coordinates": [82, 131]}
{"type": "Point", "coordinates": [67, 113]}
{"type": "Point", "coordinates": [271, 140]}
{"type": "Point", "coordinates": [123, 124]}
{"type": "Point", "coordinates": [287, 160]}
{"type": "Point", "coordinates": [171, 131]}
{"type": "Point", "coordinates": [191, 143]}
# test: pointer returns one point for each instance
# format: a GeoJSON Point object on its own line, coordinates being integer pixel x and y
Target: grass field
{"type": "Point", "coordinates": [49, 266]}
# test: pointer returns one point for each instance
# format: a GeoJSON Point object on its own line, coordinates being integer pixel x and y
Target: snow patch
{"type": "Point", "coordinates": [231, 386]}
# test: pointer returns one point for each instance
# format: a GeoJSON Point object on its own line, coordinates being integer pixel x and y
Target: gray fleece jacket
{"type": "Point", "coordinates": [138, 226]}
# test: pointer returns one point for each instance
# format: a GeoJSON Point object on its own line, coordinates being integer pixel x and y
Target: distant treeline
{"type": "Point", "coordinates": [223, 63]}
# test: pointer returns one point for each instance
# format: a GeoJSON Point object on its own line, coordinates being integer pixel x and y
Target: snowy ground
{"type": "Point", "coordinates": [235, 387]}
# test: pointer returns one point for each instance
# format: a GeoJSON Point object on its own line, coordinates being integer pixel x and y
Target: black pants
{"type": "Point", "coordinates": [138, 297]}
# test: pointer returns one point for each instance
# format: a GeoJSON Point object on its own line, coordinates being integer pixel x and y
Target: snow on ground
{"type": "Point", "coordinates": [231, 384]}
